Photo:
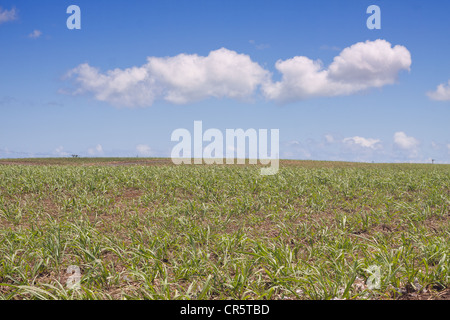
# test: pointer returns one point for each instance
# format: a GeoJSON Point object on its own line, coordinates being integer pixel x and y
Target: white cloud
{"type": "Point", "coordinates": [180, 79]}
{"type": "Point", "coordinates": [59, 151]}
{"type": "Point", "coordinates": [295, 149]}
{"type": "Point", "coordinates": [363, 65]}
{"type": "Point", "coordinates": [98, 150]}
{"type": "Point", "coordinates": [129, 87]}
{"type": "Point", "coordinates": [363, 142]}
{"type": "Point", "coordinates": [35, 34]}
{"type": "Point", "coordinates": [405, 142]}
{"type": "Point", "coordinates": [293, 143]}
{"type": "Point", "coordinates": [442, 92]}
{"type": "Point", "coordinates": [7, 15]}
{"type": "Point", "coordinates": [406, 149]}
{"type": "Point", "coordinates": [143, 150]}
{"type": "Point", "coordinates": [329, 138]}
{"type": "Point", "coordinates": [259, 46]}
{"type": "Point", "coordinates": [224, 73]}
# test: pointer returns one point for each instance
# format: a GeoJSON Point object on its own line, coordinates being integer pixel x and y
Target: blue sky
{"type": "Point", "coordinates": [138, 70]}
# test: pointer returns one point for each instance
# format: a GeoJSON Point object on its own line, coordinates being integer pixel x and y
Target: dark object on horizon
{"type": "Point", "coordinates": [74, 156]}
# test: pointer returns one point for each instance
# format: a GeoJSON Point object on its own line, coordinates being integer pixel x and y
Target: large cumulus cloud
{"type": "Point", "coordinates": [223, 73]}
{"type": "Point", "coordinates": [359, 67]}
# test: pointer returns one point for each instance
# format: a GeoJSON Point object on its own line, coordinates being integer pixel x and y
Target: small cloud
{"type": "Point", "coordinates": [35, 34]}
{"type": "Point", "coordinates": [329, 138]}
{"type": "Point", "coordinates": [448, 147]}
{"type": "Point", "coordinates": [143, 150]}
{"type": "Point", "coordinates": [60, 152]}
{"type": "Point", "coordinates": [5, 151]}
{"type": "Point", "coordinates": [363, 142]}
{"type": "Point", "coordinates": [405, 142]}
{"type": "Point", "coordinates": [295, 149]}
{"type": "Point", "coordinates": [442, 93]}
{"type": "Point", "coordinates": [7, 15]}
{"type": "Point", "coordinates": [293, 143]}
{"type": "Point", "coordinates": [98, 150]}
{"type": "Point", "coordinates": [259, 46]}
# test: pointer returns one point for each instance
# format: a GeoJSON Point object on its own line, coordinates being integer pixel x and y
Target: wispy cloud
{"type": "Point", "coordinates": [96, 151]}
{"type": "Point", "coordinates": [401, 148]}
{"type": "Point", "coordinates": [144, 150]}
{"type": "Point", "coordinates": [59, 151]}
{"type": "Point", "coordinates": [442, 93]}
{"type": "Point", "coordinates": [295, 149]}
{"type": "Point", "coordinates": [7, 15]}
{"type": "Point", "coordinates": [259, 46]}
{"type": "Point", "coordinates": [329, 138]}
{"type": "Point", "coordinates": [363, 142]}
{"type": "Point", "coordinates": [35, 34]}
